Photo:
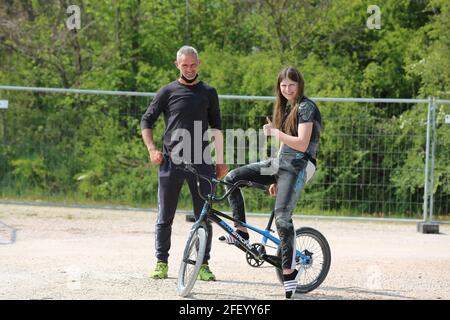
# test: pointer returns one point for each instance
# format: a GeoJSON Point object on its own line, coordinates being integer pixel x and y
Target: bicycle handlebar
{"type": "Point", "coordinates": [190, 168]}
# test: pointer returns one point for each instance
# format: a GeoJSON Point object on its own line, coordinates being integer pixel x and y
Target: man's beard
{"type": "Point", "coordinates": [189, 80]}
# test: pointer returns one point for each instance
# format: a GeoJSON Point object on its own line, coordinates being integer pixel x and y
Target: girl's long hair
{"type": "Point", "coordinates": [290, 125]}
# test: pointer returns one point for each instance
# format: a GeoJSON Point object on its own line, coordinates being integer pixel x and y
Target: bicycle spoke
{"type": "Point", "coordinates": [191, 262]}
{"type": "Point", "coordinates": [311, 243]}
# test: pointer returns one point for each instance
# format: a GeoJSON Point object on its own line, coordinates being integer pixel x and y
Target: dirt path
{"type": "Point", "coordinates": [68, 253]}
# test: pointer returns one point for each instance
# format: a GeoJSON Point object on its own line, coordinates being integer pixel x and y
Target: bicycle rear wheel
{"type": "Point", "coordinates": [315, 268]}
{"type": "Point", "coordinates": [193, 255]}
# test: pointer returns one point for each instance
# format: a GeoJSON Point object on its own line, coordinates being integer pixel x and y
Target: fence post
{"type": "Point", "coordinates": [2, 129]}
{"type": "Point", "coordinates": [433, 151]}
{"type": "Point", "coordinates": [3, 108]}
{"type": "Point", "coordinates": [427, 153]}
{"type": "Point", "coordinates": [426, 226]}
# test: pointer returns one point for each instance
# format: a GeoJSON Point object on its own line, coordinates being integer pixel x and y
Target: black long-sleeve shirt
{"type": "Point", "coordinates": [183, 106]}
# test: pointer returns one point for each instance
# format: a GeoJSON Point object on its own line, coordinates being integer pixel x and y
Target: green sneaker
{"type": "Point", "coordinates": [161, 271]}
{"type": "Point", "coordinates": [205, 274]}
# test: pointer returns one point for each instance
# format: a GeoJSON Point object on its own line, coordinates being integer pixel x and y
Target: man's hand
{"type": "Point", "coordinates": [156, 156]}
{"type": "Point", "coordinates": [273, 189]}
{"type": "Point", "coordinates": [221, 170]}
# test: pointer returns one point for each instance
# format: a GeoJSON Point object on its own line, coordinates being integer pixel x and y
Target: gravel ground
{"type": "Point", "coordinates": [70, 253]}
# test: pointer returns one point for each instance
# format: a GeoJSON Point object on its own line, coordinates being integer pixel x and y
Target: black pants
{"type": "Point", "coordinates": [171, 179]}
{"type": "Point", "coordinates": [288, 172]}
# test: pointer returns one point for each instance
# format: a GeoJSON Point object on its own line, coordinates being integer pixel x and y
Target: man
{"type": "Point", "coordinates": [188, 105]}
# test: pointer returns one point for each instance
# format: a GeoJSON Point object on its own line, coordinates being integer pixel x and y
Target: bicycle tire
{"type": "Point", "coordinates": [324, 263]}
{"type": "Point", "coordinates": [193, 255]}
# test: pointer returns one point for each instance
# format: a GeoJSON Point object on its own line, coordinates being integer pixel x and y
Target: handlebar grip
{"type": "Point", "coordinates": [191, 169]}
{"type": "Point", "coordinates": [256, 185]}
{"type": "Point", "coordinates": [188, 168]}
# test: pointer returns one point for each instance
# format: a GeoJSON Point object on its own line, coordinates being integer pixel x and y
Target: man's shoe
{"type": "Point", "coordinates": [205, 274]}
{"type": "Point", "coordinates": [161, 271]}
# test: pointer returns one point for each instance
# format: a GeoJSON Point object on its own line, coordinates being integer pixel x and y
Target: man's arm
{"type": "Point", "coordinates": [156, 156]}
{"type": "Point", "coordinates": [147, 136]}
{"type": "Point", "coordinates": [221, 167]}
{"type": "Point", "coordinates": [147, 122]}
{"type": "Point", "coordinates": [218, 145]}
{"type": "Point", "coordinates": [216, 125]}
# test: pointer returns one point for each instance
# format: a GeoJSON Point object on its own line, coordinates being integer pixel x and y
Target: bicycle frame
{"type": "Point", "coordinates": [255, 253]}
{"type": "Point", "coordinates": [213, 215]}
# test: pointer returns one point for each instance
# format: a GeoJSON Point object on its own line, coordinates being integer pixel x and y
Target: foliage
{"type": "Point", "coordinates": [90, 146]}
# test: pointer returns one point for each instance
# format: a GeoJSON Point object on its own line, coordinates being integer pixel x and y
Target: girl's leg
{"type": "Point", "coordinates": [289, 186]}
{"type": "Point", "coordinates": [250, 172]}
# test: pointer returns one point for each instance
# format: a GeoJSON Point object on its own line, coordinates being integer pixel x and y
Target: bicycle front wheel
{"type": "Point", "coordinates": [316, 262]}
{"type": "Point", "coordinates": [193, 255]}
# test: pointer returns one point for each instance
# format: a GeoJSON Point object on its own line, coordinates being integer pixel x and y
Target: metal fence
{"type": "Point", "coordinates": [7, 234]}
{"type": "Point", "coordinates": [378, 158]}
{"type": "Point", "coordinates": [439, 182]}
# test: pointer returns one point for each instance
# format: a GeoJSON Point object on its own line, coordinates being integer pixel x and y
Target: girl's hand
{"type": "Point", "coordinates": [221, 170]}
{"type": "Point", "coordinates": [269, 129]}
{"type": "Point", "coordinates": [273, 189]}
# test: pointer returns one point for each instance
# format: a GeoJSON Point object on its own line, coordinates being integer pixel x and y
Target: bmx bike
{"type": "Point", "coordinates": [313, 255]}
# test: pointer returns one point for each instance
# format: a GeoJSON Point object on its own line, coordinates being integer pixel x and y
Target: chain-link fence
{"type": "Point", "coordinates": [439, 206]}
{"type": "Point", "coordinates": [75, 146]}
{"type": "Point", "coordinates": [7, 234]}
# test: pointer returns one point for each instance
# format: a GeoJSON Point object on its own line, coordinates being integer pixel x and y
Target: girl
{"type": "Point", "coordinates": [296, 124]}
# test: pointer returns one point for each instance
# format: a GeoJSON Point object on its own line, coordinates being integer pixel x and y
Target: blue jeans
{"type": "Point", "coordinates": [289, 175]}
